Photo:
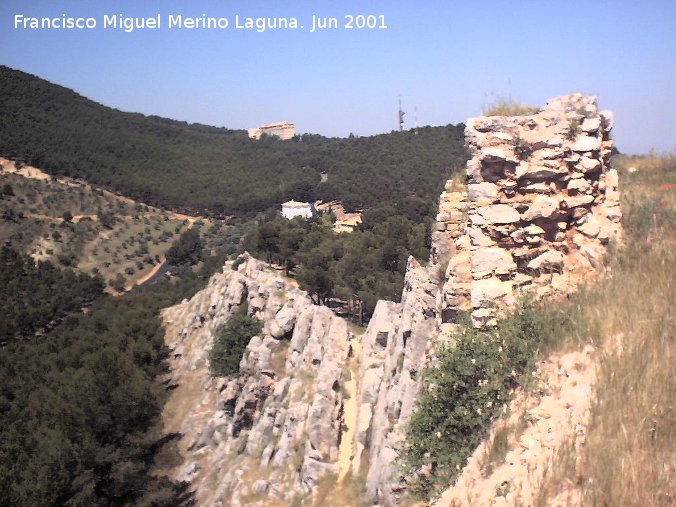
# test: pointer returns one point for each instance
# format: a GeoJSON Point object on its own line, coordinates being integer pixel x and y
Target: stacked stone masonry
{"type": "Point", "coordinates": [540, 205]}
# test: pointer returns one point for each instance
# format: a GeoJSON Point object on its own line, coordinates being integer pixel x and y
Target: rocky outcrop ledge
{"type": "Point", "coordinates": [274, 429]}
{"type": "Point", "coordinates": [279, 426]}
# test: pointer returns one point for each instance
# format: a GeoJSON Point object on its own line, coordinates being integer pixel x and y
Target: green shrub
{"type": "Point", "coordinates": [67, 258]}
{"type": "Point", "coordinates": [231, 341]}
{"type": "Point", "coordinates": [573, 129]}
{"type": "Point", "coordinates": [466, 390]}
{"type": "Point", "coordinates": [236, 263]}
{"type": "Point", "coordinates": [522, 148]}
{"type": "Point", "coordinates": [187, 249]}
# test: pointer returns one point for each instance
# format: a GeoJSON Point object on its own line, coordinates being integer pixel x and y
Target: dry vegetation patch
{"type": "Point", "coordinates": [507, 106]}
{"type": "Point", "coordinates": [631, 452]}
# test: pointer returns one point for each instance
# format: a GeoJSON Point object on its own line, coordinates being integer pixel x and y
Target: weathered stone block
{"type": "Point", "coordinates": [585, 143]}
{"type": "Point", "coordinates": [483, 191]}
{"type": "Point", "coordinates": [578, 200]}
{"type": "Point", "coordinates": [494, 214]}
{"type": "Point", "coordinates": [486, 261]}
{"type": "Point", "coordinates": [543, 207]}
{"type": "Point", "coordinates": [551, 260]}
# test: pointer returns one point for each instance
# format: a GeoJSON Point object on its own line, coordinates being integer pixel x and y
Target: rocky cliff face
{"type": "Point", "coordinates": [314, 400]}
{"type": "Point", "coordinates": [311, 399]}
{"type": "Point", "coordinates": [275, 429]}
{"type": "Point", "coordinates": [396, 347]}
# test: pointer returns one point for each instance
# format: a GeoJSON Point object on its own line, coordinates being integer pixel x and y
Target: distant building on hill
{"type": "Point", "coordinates": [291, 209]}
{"type": "Point", "coordinates": [283, 130]}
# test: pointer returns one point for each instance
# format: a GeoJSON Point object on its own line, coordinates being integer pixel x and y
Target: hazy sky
{"type": "Point", "coordinates": [448, 58]}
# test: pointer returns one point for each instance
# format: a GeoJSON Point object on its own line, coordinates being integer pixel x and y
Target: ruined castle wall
{"type": "Point", "coordinates": [542, 203]}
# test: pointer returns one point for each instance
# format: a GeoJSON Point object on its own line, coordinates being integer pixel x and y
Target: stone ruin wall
{"type": "Point", "coordinates": [540, 205]}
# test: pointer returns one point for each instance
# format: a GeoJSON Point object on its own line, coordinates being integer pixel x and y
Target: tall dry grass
{"type": "Point", "coordinates": [505, 105]}
{"type": "Point", "coordinates": [630, 456]}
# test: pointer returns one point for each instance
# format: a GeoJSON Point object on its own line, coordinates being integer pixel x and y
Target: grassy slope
{"type": "Point", "coordinates": [631, 451]}
{"type": "Point", "coordinates": [86, 244]}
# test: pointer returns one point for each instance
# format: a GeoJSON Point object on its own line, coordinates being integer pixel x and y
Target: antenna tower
{"type": "Point", "coordinates": [401, 116]}
{"type": "Point", "coordinates": [415, 114]}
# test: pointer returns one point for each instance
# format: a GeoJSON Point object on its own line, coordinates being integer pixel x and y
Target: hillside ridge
{"type": "Point", "coordinates": [195, 168]}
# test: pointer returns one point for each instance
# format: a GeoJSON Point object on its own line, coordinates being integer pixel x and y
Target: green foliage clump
{"type": "Point", "coordinates": [366, 265]}
{"type": "Point", "coordinates": [187, 249]}
{"type": "Point", "coordinates": [237, 262]}
{"type": "Point", "coordinates": [230, 342]}
{"type": "Point", "coordinates": [34, 296]}
{"type": "Point", "coordinates": [466, 390]}
{"type": "Point", "coordinates": [573, 129]}
{"type": "Point", "coordinates": [106, 219]}
{"type": "Point", "coordinates": [80, 407]}
{"type": "Point", "coordinates": [522, 148]}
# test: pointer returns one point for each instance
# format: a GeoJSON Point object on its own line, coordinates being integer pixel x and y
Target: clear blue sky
{"type": "Point", "coordinates": [448, 58]}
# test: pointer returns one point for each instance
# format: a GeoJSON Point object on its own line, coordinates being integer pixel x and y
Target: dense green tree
{"type": "Point", "coordinates": [187, 249]}
{"type": "Point", "coordinates": [80, 407]}
{"type": "Point", "coordinates": [106, 219]}
{"type": "Point", "coordinates": [34, 296]}
{"type": "Point", "coordinates": [363, 266]}
{"type": "Point", "coordinates": [230, 342]}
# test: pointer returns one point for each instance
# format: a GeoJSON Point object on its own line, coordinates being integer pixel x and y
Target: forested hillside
{"type": "Point", "coordinates": [200, 168]}
{"type": "Point", "coordinates": [33, 296]}
{"type": "Point", "coordinates": [361, 267]}
{"type": "Point", "coordinates": [80, 407]}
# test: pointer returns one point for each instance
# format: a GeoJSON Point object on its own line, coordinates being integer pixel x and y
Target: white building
{"type": "Point", "coordinates": [291, 209]}
{"type": "Point", "coordinates": [283, 129]}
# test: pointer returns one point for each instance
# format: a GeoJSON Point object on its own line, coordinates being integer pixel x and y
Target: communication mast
{"type": "Point", "coordinates": [415, 114]}
{"type": "Point", "coordinates": [401, 116]}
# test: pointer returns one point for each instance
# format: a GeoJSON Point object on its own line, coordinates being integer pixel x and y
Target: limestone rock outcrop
{"type": "Point", "coordinates": [279, 425]}
{"type": "Point", "coordinates": [396, 349]}
{"type": "Point", "coordinates": [274, 429]}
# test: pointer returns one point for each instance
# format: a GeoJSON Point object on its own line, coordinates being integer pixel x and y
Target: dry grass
{"type": "Point", "coordinates": [278, 359]}
{"type": "Point", "coordinates": [351, 491]}
{"type": "Point", "coordinates": [631, 451]}
{"type": "Point", "coordinates": [507, 106]}
{"type": "Point", "coordinates": [355, 328]}
{"type": "Point", "coordinates": [502, 440]}
{"type": "Point", "coordinates": [558, 477]}
{"type": "Point", "coordinates": [630, 455]}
